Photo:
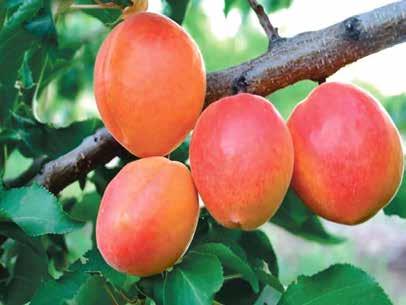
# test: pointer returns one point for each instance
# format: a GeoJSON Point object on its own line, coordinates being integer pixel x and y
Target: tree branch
{"type": "Point", "coordinates": [97, 149]}
{"type": "Point", "coordinates": [311, 55]}
{"type": "Point", "coordinates": [266, 24]}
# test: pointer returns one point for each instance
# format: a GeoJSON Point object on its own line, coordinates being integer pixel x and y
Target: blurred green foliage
{"type": "Point", "coordinates": [47, 54]}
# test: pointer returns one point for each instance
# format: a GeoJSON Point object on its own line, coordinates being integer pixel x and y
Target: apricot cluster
{"type": "Point", "coordinates": [339, 148]}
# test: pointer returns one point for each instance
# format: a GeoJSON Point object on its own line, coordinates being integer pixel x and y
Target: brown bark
{"type": "Point", "coordinates": [311, 55]}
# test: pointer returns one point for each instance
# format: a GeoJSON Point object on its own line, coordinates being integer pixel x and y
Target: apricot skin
{"type": "Point", "coordinates": [147, 216]}
{"type": "Point", "coordinates": [241, 157]}
{"type": "Point", "coordinates": [348, 153]}
{"type": "Point", "coordinates": [149, 83]}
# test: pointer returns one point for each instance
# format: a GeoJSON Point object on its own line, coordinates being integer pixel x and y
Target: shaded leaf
{"type": "Point", "coordinates": [176, 9]}
{"type": "Point", "coordinates": [257, 246]}
{"type": "Point", "coordinates": [274, 5]}
{"type": "Point", "coordinates": [295, 217]}
{"type": "Point", "coordinates": [194, 281]}
{"type": "Point", "coordinates": [37, 139]}
{"type": "Point", "coordinates": [181, 153]}
{"type": "Point", "coordinates": [236, 292]}
{"type": "Point", "coordinates": [31, 266]}
{"type": "Point", "coordinates": [153, 287]}
{"type": "Point", "coordinates": [70, 284]}
{"type": "Point", "coordinates": [54, 292]}
{"type": "Point", "coordinates": [14, 41]}
{"type": "Point", "coordinates": [95, 264]}
{"type": "Point", "coordinates": [267, 279]}
{"type": "Point", "coordinates": [93, 292]}
{"type": "Point", "coordinates": [30, 269]}
{"type": "Point", "coordinates": [230, 261]}
{"type": "Point", "coordinates": [43, 27]}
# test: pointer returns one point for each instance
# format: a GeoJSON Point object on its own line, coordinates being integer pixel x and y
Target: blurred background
{"type": "Point", "coordinates": [378, 246]}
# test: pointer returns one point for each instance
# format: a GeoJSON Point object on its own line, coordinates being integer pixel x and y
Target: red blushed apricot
{"type": "Point", "coordinates": [147, 216]}
{"type": "Point", "coordinates": [348, 153]}
{"type": "Point", "coordinates": [241, 157]}
{"type": "Point", "coordinates": [149, 83]}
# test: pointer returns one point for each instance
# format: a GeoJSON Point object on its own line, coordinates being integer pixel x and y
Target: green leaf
{"type": "Point", "coordinates": [339, 284]}
{"type": "Point", "coordinates": [242, 5]}
{"type": "Point", "coordinates": [43, 27]}
{"type": "Point", "coordinates": [274, 5]}
{"type": "Point", "coordinates": [236, 292]}
{"type": "Point", "coordinates": [194, 281]}
{"type": "Point", "coordinates": [79, 242]}
{"type": "Point", "coordinates": [30, 269]}
{"type": "Point", "coordinates": [269, 5]}
{"type": "Point", "coordinates": [36, 139]}
{"type": "Point", "coordinates": [228, 4]}
{"type": "Point", "coordinates": [93, 292]}
{"type": "Point", "coordinates": [27, 10]}
{"type": "Point", "coordinates": [12, 231]}
{"type": "Point", "coordinates": [295, 217]}
{"type": "Point", "coordinates": [25, 74]}
{"type": "Point", "coordinates": [14, 41]}
{"type": "Point", "coordinates": [176, 9]}
{"type": "Point", "coordinates": [86, 209]}
{"type": "Point", "coordinates": [36, 211]}
{"type": "Point", "coordinates": [181, 154]}
{"type": "Point", "coordinates": [31, 265]}
{"type": "Point", "coordinates": [153, 287]}
{"type": "Point", "coordinates": [253, 247]}
{"type": "Point", "coordinates": [230, 261]}
{"type": "Point", "coordinates": [397, 205]}
{"type": "Point", "coordinates": [258, 247]}
{"type": "Point", "coordinates": [96, 264]}
{"type": "Point", "coordinates": [58, 292]}
{"type": "Point", "coordinates": [71, 283]}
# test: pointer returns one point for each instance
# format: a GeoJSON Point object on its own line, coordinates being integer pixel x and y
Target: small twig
{"type": "Point", "coordinates": [266, 24]}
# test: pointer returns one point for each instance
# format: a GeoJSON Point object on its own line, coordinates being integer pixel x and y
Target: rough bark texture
{"type": "Point", "coordinates": [311, 55]}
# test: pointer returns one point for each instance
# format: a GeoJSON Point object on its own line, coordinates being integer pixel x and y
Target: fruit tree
{"type": "Point", "coordinates": [143, 162]}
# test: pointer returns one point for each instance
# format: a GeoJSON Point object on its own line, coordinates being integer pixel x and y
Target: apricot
{"type": "Point", "coordinates": [149, 83]}
{"type": "Point", "coordinates": [348, 153]}
{"type": "Point", "coordinates": [147, 217]}
{"type": "Point", "coordinates": [241, 157]}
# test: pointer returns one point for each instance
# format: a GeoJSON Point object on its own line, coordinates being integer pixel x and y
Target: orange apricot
{"type": "Point", "coordinates": [241, 158]}
{"type": "Point", "coordinates": [149, 83]}
{"type": "Point", "coordinates": [348, 153]}
{"type": "Point", "coordinates": [147, 217]}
